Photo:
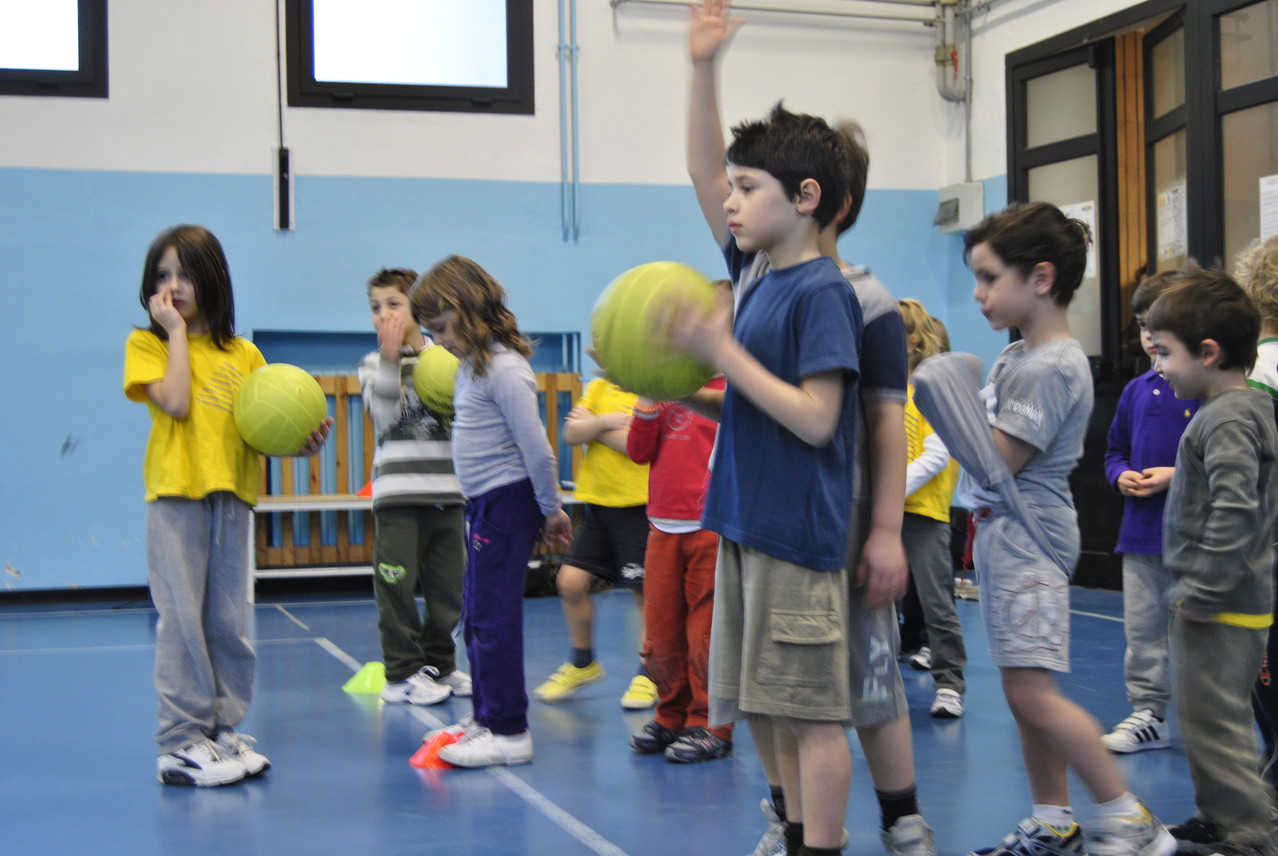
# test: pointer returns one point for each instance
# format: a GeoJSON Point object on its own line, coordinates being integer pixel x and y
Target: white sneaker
{"type": "Point", "coordinates": [458, 681]}
{"type": "Point", "coordinates": [772, 842]}
{"type": "Point", "coordinates": [947, 704]}
{"type": "Point", "coordinates": [420, 688]}
{"type": "Point", "coordinates": [1142, 835]}
{"type": "Point", "coordinates": [240, 748]}
{"type": "Point", "coordinates": [482, 748]}
{"type": "Point", "coordinates": [1138, 732]}
{"type": "Point", "coordinates": [201, 763]}
{"type": "Point", "coordinates": [458, 730]}
{"type": "Point", "coordinates": [909, 836]}
{"type": "Point", "coordinates": [921, 660]}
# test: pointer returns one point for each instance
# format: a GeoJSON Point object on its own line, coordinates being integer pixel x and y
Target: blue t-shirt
{"type": "Point", "coordinates": [769, 490]}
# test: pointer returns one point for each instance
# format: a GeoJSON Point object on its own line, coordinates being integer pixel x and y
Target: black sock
{"type": "Point", "coordinates": [793, 838]}
{"type": "Point", "coordinates": [778, 801]}
{"type": "Point", "coordinates": [583, 657]}
{"type": "Point", "coordinates": [894, 805]}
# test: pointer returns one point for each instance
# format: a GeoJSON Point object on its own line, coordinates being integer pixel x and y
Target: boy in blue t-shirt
{"type": "Point", "coordinates": [782, 479]}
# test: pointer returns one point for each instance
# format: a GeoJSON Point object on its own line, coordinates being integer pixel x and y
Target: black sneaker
{"type": "Point", "coordinates": [1197, 836]}
{"type": "Point", "coordinates": [696, 744]}
{"type": "Point", "coordinates": [654, 738]}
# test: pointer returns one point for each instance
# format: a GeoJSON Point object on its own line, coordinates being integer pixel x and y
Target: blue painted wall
{"type": "Point", "coordinates": [71, 250]}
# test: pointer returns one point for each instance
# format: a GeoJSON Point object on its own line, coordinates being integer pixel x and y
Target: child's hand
{"type": "Point", "coordinates": [685, 325]}
{"type": "Point", "coordinates": [315, 442]}
{"type": "Point", "coordinates": [1129, 483]}
{"type": "Point", "coordinates": [883, 570]}
{"type": "Point", "coordinates": [1157, 479]}
{"type": "Point", "coordinates": [615, 420]}
{"type": "Point", "coordinates": [166, 314]}
{"type": "Point", "coordinates": [577, 413]}
{"type": "Point", "coordinates": [557, 530]}
{"type": "Point", "coordinates": [711, 29]}
{"type": "Point", "coordinates": [390, 337]}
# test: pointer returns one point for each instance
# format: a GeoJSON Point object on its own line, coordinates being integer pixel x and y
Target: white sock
{"type": "Point", "coordinates": [1058, 817]}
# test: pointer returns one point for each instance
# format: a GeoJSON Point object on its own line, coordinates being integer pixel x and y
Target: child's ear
{"type": "Point", "coordinates": [809, 196]}
{"type": "Point", "coordinates": [1210, 352]}
{"type": "Point", "coordinates": [1043, 277]}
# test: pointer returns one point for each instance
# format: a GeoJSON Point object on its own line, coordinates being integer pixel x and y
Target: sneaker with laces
{"type": "Point", "coordinates": [909, 836]}
{"type": "Point", "coordinates": [420, 688]}
{"type": "Point", "coordinates": [239, 747]}
{"type": "Point", "coordinates": [640, 695]}
{"type": "Point", "coordinates": [697, 744]}
{"type": "Point", "coordinates": [457, 681]}
{"type": "Point", "coordinates": [1197, 835]}
{"type": "Point", "coordinates": [459, 729]}
{"type": "Point", "coordinates": [921, 660]}
{"type": "Point", "coordinates": [1138, 732]}
{"type": "Point", "coordinates": [772, 842]}
{"type": "Point", "coordinates": [947, 704]}
{"type": "Point", "coordinates": [1032, 838]}
{"type": "Point", "coordinates": [202, 764]}
{"type": "Point", "coordinates": [567, 680]}
{"type": "Point", "coordinates": [1142, 835]}
{"type": "Point", "coordinates": [652, 738]}
{"type": "Point", "coordinates": [482, 748]}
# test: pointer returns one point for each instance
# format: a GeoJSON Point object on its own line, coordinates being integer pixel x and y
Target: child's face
{"type": "Point", "coordinates": [389, 302]}
{"type": "Point", "coordinates": [1183, 370]}
{"type": "Point", "coordinates": [1007, 298]}
{"type": "Point", "coordinates": [170, 277]}
{"type": "Point", "coordinates": [1146, 340]}
{"type": "Point", "coordinates": [443, 330]}
{"type": "Point", "coordinates": [760, 213]}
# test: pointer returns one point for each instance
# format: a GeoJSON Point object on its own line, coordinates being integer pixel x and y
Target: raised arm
{"type": "Point", "coordinates": [710, 32]}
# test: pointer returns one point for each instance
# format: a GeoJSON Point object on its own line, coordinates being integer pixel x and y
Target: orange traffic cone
{"type": "Point", "coordinates": [428, 756]}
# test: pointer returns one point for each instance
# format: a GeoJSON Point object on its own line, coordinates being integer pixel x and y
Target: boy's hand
{"type": "Point", "coordinates": [1128, 483]}
{"type": "Point", "coordinates": [390, 337]}
{"type": "Point", "coordinates": [711, 29]}
{"type": "Point", "coordinates": [1157, 479]}
{"type": "Point", "coordinates": [315, 442]}
{"type": "Point", "coordinates": [883, 570]}
{"type": "Point", "coordinates": [614, 420]}
{"type": "Point", "coordinates": [165, 314]}
{"type": "Point", "coordinates": [703, 335]}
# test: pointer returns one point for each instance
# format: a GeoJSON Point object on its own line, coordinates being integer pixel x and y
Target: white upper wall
{"type": "Point", "coordinates": [193, 89]}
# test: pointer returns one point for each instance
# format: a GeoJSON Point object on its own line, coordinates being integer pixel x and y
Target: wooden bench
{"type": "Point", "coordinates": [310, 520]}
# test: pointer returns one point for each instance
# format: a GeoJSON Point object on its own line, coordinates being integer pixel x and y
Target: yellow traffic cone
{"type": "Point", "coordinates": [371, 678]}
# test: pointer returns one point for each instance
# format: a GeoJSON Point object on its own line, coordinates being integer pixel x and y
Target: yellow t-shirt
{"type": "Point", "coordinates": [934, 497]}
{"type": "Point", "coordinates": [202, 453]}
{"type": "Point", "coordinates": [608, 477]}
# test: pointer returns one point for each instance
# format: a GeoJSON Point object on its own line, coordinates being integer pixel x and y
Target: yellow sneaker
{"type": "Point", "coordinates": [642, 694]}
{"type": "Point", "coordinates": [567, 680]}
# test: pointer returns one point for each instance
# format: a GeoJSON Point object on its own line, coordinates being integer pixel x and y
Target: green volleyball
{"type": "Point", "coordinates": [277, 407]}
{"type": "Point", "coordinates": [434, 377]}
{"type": "Point", "coordinates": [624, 335]}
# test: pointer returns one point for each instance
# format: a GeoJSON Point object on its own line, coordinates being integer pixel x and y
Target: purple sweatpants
{"type": "Point", "coordinates": [502, 528]}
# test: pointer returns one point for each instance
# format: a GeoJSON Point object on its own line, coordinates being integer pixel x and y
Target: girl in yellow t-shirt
{"type": "Point", "coordinates": [201, 483]}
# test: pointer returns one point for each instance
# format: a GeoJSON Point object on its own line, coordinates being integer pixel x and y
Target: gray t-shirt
{"type": "Point", "coordinates": [1044, 398]}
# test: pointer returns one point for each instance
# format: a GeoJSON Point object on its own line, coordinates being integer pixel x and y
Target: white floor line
{"type": "Point", "coordinates": [565, 821]}
{"type": "Point", "coordinates": [291, 617]}
{"type": "Point", "coordinates": [1117, 618]}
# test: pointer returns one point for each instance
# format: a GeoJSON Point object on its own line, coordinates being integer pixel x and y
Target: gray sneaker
{"type": "Point", "coordinates": [909, 836]}
{"type": "Point", "coordinates": [772, 842]}
{"type": "Point", "coordinates": [1141, 835]}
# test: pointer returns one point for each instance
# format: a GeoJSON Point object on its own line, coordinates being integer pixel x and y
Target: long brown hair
{"type": "Point", "coordinates": [461, 285]}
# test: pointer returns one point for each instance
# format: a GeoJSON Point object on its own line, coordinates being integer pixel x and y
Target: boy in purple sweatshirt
{"type": "Point", "coordinates": [1139, 464]}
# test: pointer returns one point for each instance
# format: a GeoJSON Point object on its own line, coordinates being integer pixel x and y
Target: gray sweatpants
{"type": "Point", "coordinates": [197, 567]}
{"type": "Point", "coordinates": [1145, 621]}
{"type": "Point", "coordinates": [1214, 666]}
{"type": "Point", "coordinates": [927, 547]}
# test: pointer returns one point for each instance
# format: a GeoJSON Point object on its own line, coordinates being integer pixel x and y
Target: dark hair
{"type": "Point", "coordinates": [201, 257]}
{"type": "Point", "coordinates": [1208, 304]}
{"type": "Point", "coordinates": [461, 285]}
{"type": "Point", "coordinates": [853, 138]}
{"type": "Point", "coordinates": [1026, 234]}
{"type": "Point", "coordinates": [401, 279]}
{"type": "Point", "coordinates": [792, 148]}
{"type": "Point", "coordinates": [1151, 287]}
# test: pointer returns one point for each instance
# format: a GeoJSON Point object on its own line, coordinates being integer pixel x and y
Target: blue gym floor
{"type": "Point", "coordinates": [77, 762]}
